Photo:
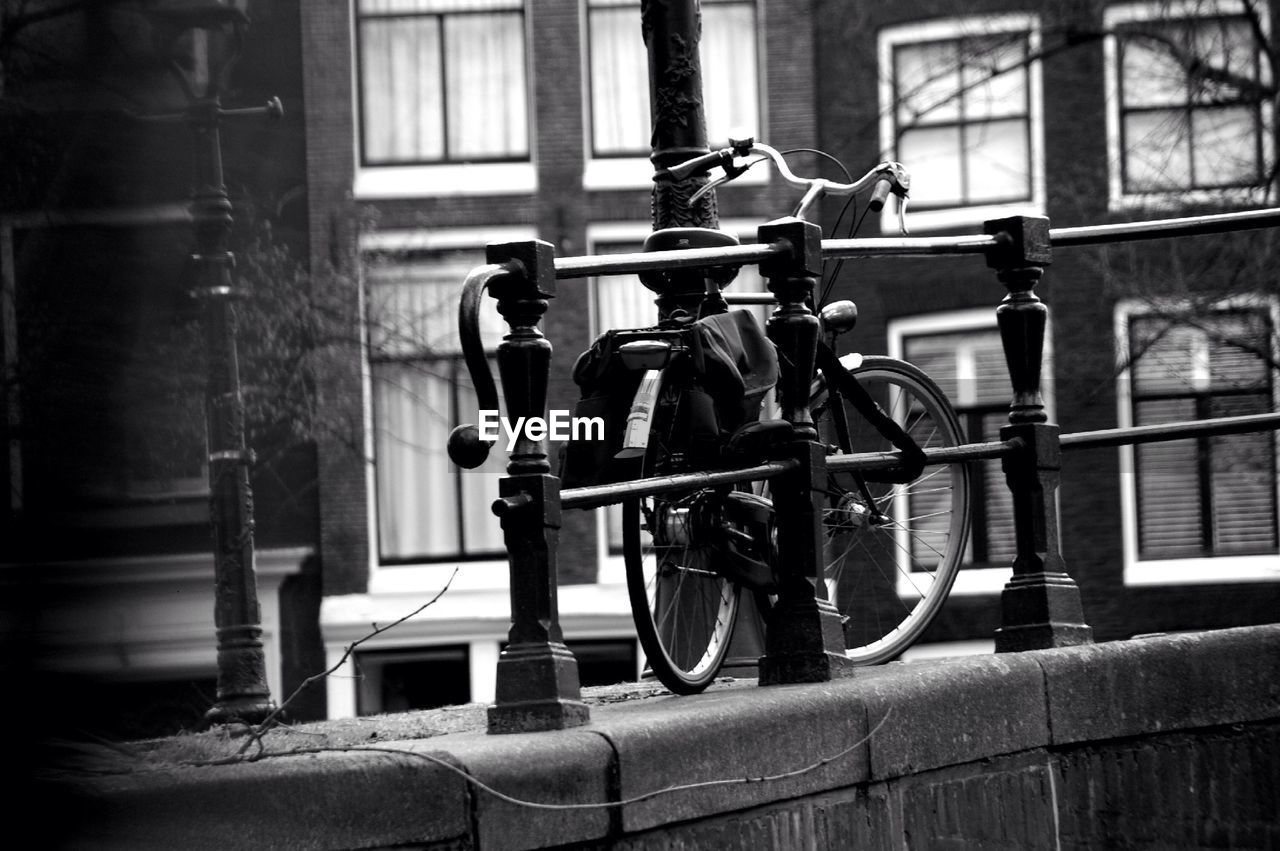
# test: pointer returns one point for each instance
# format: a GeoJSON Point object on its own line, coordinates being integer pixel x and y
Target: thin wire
{"type": "Point", "coordinates": [502, 796]}
{"type": "Point", "coordinates": [835, 273]}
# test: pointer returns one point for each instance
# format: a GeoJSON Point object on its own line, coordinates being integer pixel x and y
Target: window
{"type": "Point", "coordinates": [441, 81]}
{"type": "Point", "coordinates": [1190, 107]}
{"type": "Point", "coordinates": [962, 352]}
{"type": "Point", "coordinates": [1210, 500]}
{"type": "Point", "coordinates": [960, 108]}
{"type": "Point", "coordinates": [618, 79]}
{"type": "Point", "coordinates": [427, 507]}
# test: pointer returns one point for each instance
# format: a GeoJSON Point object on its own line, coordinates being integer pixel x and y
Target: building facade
{"type": "Point", "coordinates": [439, 127]}
{"type": "Point", "coordinates": [1088, 113]}
{"type": "Point", "coordinates": [418, 131]}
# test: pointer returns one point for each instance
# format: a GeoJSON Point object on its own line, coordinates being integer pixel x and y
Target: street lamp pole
{"type": "Point", "coordinates": [212, 34]}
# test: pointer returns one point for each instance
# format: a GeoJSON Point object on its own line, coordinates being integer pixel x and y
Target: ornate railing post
{"type": "Point", "coordinates": [1040, 606]}
{"type": "Point", "coordinates": [803, 640]}
{"type": "Point", "coordinates": [537, 678]}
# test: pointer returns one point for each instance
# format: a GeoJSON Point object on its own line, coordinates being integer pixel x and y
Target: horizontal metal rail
{"type": "Point", "coordinates": [907, 246]}
{"type": "Point", "coordinates": [1170, 431]}
{"type": "Point", "coordinates": [1164, 228]}
{"type": "Point", "coordinates": [596, 495]}
{"type": "Point", "coordinates": [937, 246]}
{"type": "Point", "coordinates": [655, 261]}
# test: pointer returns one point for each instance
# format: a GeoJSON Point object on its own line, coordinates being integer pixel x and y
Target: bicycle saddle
{"type": "Point", "coordinates": [675, 239]}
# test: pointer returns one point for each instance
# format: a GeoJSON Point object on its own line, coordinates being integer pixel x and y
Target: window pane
{"type": "Point", "coordinates": [1243, 483]}
{"type": "Point", "coordinates": [413, 305]}
{"type": "Point", "coordinates": [481, 531]}
{"type": "Point", "coordinates": [400, 93]}
{"type": "Point", "coordinates": [995, 77]}
{"type": "Point", "coordinates": [1237, 349]}
{"type": "Point", "coordinates": [933, 156]}
{"type": "Point", "coordinates": [1224, 45]}
{"type": "Point", "coordinates": [1169, 519]}
{"type": "Point", "coordinates": [928, 79]}
{"type": "Point", "coordinates": [1226, 149]}
{"type": "Point", "coordinates": [1150, 74]}
{"type": "Point", "coordinates": [991, 373]}
{"type": "Point", "coordinates": [486, 85]}
{"type": "Point", "coordinates": [996, 158]}
{"type": "Point", "coordinates": [1001, 547]}
{"type": "Point", "coordinates": [385, 6]}
{"type": "Point", "coordinates": [728, 71]}
{"type": "Point", "coordinates": [1157, 151]}
{"type": "Point", "coordinates": [619, 82]}
{"type": "Point", "coordinates": [969, 368]}
{"type": "Point", "coordinates": [417, 506]}
{"type": "Point", "coordinates": [1231, 477]}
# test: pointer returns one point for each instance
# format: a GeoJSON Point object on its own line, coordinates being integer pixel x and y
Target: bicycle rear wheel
{"type": "Point", "coordinates": [892, 551]}
{"type": "Point", "coordinates": [681, 550]}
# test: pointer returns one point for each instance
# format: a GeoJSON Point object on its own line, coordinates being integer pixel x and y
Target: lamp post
{"type": "Point", "coordinates": [203, 39]}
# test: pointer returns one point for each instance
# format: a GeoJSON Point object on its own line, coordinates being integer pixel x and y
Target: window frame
{"type": "Point", "coordinates": [445, 177]}
{"type": "Point", "coordinates": [952, 29]}
{"type": "Point", "coordinates": [397, 574]}
{"type": "Point", "coordinates": [1181, 11]}
{"type": "Point", "coordinates": [634, 170]}
{"type": "Point", "coordinates": [990, 578]}
{"type": "Point", "coordinates": [1197, 570]}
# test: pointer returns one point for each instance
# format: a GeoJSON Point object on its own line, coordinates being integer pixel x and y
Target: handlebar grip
{"type": "Point", "coordinates": [698, 165]}
{"type": "Point", "coordinates": [880, 194]}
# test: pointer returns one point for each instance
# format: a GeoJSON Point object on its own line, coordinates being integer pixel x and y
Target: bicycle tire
{"type": "Point", "coordinates": [889, 575]}
{"type": "Point", "coordinates": [684, 605]}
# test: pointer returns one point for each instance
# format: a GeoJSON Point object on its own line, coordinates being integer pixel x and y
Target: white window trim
{"type": "Point", "coordinates": [412, 578]}
{"type": "Point", "coordinates": [470, 612]}
{"type": "Point", "coordinates": [1180, 571]}
{"type": "Point", "coordinates": [1117, 198]}
{"type": "Point", "coordinates": [950, 28]}
{"type": "Point", "coordinates": [985, 580]}
{"type": "Point", "coordinates": [446, 179]}
{"type": "Point", "coordinates": [605, 173]}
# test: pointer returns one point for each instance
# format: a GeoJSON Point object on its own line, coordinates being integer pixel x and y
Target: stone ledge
{"type": "Point", "coordinates": [813, 739]}
{"type": "Point", "coordinates": [1162, 683]}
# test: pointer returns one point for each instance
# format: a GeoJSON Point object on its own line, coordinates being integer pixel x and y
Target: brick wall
{"type": "Point", "coordinates": [1081, 305]}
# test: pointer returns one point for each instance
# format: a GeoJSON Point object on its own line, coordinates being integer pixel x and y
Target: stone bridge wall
{"type": "Point", "coordinates": [1163, 742]}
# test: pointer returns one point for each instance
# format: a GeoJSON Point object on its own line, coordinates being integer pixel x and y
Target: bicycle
{"type": "Point", "coordinates": [893, 538]}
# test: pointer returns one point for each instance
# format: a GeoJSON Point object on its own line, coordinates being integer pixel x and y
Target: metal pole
{"type": "Point", "coordinates": [672, 31]}
{"type": "Point", "coordinates": [243, 694]}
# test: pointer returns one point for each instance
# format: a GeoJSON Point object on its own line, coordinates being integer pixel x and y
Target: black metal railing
{"type": "Point", "coordinates": [1040, 607]}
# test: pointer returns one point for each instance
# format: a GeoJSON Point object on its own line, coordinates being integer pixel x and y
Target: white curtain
{"type": "Point", "coordinates": [427, 507]}
{"type": "Point", "coordinates": [619, 82]}
{"type": "Point", "coordinates": [729, 71]}
{"type": "Point", "coordinates": [486, 86]}
{"type": "Point", "coordinates": [400, 92]}
{"type": "Point", "coordinates": [620, 117]}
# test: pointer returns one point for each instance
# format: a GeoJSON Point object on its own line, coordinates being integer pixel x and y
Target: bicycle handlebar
{"type": "Point", "coordinates": [886, 178]}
